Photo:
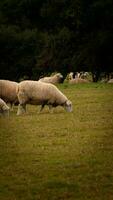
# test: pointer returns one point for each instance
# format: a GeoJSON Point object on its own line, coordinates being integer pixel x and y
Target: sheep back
{"type": "Point", "coordinates": [37, 92]}
{"type": "Point", "coordinates": [8, 91]}
{"type": "Point", "coordinates": [57, 78]}
{"type": "Point", "coordinates": [78, 80]}
{"type": "Point", "coordinates": [110, 81]}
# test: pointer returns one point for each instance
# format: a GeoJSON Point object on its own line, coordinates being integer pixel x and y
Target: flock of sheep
{"type": "Point", "coordinates": [42, 92]}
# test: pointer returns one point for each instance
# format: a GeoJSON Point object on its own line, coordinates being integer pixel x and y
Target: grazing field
{"type": "Point", "coordinates": [60, 155]}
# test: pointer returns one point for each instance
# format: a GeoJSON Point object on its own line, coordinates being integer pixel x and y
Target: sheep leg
{"type": "Point", "coordinates": [11, 106]}
{"type": "Point", "coordinates": [42, 107]}
{"type": "Point", "coordinates": [50, 108]}
{"type": "Point", "coordinates": [21, 109]}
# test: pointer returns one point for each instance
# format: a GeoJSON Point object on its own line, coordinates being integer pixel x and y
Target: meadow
{"type": "Point", "coordinates": [60, 155]}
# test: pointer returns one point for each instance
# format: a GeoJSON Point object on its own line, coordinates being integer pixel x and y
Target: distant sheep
{"type": "Point", "coordinates": [70, 75]}
{"type": "Point", "coordinates": [40, 93]}
{"type": "Point", "coordinates": [77, 75]}
{"type": "Point", "coordinates": [82, 75]}
{"type": "Point", "coordinates": [4, 109]}
{"type": "Point", "coordinates": [8, 91]}
{"type": "Point", "coordinates": [78, 80]}
{"type": "Point", "coordinates": [110, 81]}
{"type": "Point", "coordinates": [57, 78]}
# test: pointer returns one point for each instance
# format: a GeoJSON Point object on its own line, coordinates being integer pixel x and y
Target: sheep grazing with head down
{"type": "Point", "coordinates": [40, 93]}
{"type": "Point", "coordinates": [57, 78]}
{"type": "Point", "coordinates": [8, 91]}
{"type": "Point", "coordinates": [4, 109]}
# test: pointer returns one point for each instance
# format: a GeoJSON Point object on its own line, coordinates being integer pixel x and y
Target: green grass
{"type": "Point", "coordinates": [60, 155]}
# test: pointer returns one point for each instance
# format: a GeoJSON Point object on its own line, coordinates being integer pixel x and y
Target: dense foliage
{"type": "Point", "coordinates": [42, 36]}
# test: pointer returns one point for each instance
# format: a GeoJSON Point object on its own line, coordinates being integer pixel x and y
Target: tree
{"type": "Point", "coordinates": [42, 36]}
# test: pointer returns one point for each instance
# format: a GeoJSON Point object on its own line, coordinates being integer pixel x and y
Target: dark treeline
{"type": "Point", "coordinates": [42, 36]}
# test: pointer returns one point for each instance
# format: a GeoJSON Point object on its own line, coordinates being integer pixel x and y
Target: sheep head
{"type": "Point", "coordinates": [68, 106]}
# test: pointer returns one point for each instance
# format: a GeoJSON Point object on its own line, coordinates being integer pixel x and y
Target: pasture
{"type": "Point", "coordinates": [60, 155]}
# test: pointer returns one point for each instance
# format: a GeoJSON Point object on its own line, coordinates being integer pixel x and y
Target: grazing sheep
{"type": "Point", "coordinates": [40, 93]}
{"type": "Point", "coordinates": [110, 81]}
{"type": "Point", "coordinates": [78, 80]}
{"type": "Point", "coordinates": [70, 75]}
{"type": "Point", "coordinates": [84, 75]}
{"type": "Point", "coordinates": [77, 75]}
{"type": "Point", "coordinates": [4, 109]}
{"type": "Point", "coordinates": [57, 78]}
{"type": "Point", "coordinates": [73, 75]}
{"type": "Point", "coordinates": [8, 91]}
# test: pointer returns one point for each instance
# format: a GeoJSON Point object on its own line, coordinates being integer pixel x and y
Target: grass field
{"type": "Point", "coordinates": [60, 155]}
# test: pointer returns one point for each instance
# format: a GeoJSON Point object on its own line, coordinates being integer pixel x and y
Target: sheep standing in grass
{"type": "Point", "coordinates": [4, 109]}
{"type": "Point", "coordinates": [8, 91]}
{"type": "Point", "coordinates": [57, 78]}
{"type": "Point", "coordinates": [110, 81]}
{"type": "Point", "coordinates": [70, 75]}
{"type": "Point", "coordinates": [78, 80]}
{"type": "Point", "coordinates": [40, 93]}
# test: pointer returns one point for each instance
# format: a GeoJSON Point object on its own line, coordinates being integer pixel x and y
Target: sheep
{"type": "Point", "coordinates": [40, 93]}
{"type": "Point", "coordinates": [110, 81]}
{"type": "Point", "coordinates": [4, 109]}
{"type": "Point", "coordinates": [57, 78]}
{"type": "Point", "coordinates": [8, 91]}
{"type": "Point", "coordinates": [70, 75]}
{"type": "Point", "coordinates": [78, 80]}
{"type": "Point", "coordinates": [84, 75]}
{"type": "Point", "coordinates": [73, 75]}
{"type": "Point", "coordinates": [77, 75]}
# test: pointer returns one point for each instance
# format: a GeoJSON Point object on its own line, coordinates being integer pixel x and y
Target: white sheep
{"type": "Point", "coordinates": [4, 109]}
{"type": "Point", "coordinates": [40, 93]}
{"type": "Point", "coordinates": [57, 78]}
{"type": "Point", "coordinates": [70, 75]}
{"type": "Point", "coordinates": [78, 80]}
{"type": "Point", "coordinates": [77, 75]}
{"type": "Point", "coordinates": [73, 75]}
{"type": "Point", "coordinates": [8, 91]}
{"type": "Point", "coordinates": [110, 81]}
